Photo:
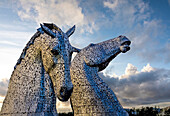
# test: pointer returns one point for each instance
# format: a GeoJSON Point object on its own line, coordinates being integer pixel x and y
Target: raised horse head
{"type": "Point", "coordinates": [56, 52]}
{"type": "Point", "coordinates": [100, 54]}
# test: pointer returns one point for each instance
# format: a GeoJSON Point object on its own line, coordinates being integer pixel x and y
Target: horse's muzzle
{"type": "Point", "coordinates": [124, 47]}
{"type": "Point", "coordinates": [64, 94]}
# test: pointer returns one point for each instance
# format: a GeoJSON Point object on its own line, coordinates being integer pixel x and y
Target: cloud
{"type": "Point", "coordinates": [15, 35]}
{"type": "Point", "coordinates": [112, 5]}
{"type": "Point", "coordinates": [9, 43]}
{"type": "Point", "coordinates": [130, 69]}
{"type": "Point", "coordinates": [5, 3]}
{"type": "Point", "coordinates": [64, 13]}
{"type": "Point", "coordinates": [166, 52]}
{"type": "Point", "coordinates": [147, 68]}
{"type": "Point", "coordinates": [136, 22]}
{"type": "Point", "coordinates": [1, 101]}
{"type": "Point", "coordinates": [8, 61]}
{"type": "Point", "coordinates": [145, 41]}
{"type": "Point", "coordinates": [169, 2]}
{"type": "Point", "coordinates": [3, 87]}
{"type": "Point", "coordinates": [14, 39]}
{"type": "Point", "coordinates": [60, 11]}
{"type": "Point", "coordinates": [127, 12]}
{"type": "Point", "coordinates": [132, 18]}
{"type": "Point", "coordinates": [148, 86]}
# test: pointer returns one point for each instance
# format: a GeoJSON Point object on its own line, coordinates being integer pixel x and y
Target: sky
{"type": "Point", "coordinates": [140, 77]}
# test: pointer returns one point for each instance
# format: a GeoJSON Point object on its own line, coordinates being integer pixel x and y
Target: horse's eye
{"type": "Point", "coordinates": [54, 52]}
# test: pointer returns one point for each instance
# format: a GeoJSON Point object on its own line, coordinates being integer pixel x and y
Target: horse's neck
{"type": "Point", "coordinates": [81, 74]}
{"type": "Point", "coordinates": [30, 64]}
{"type": "Point", "coordinates": [30, 73]}
{"type": "Point", "coordinates": [86, 79]}
{"type": "Point", "coordinates": [86, 76]}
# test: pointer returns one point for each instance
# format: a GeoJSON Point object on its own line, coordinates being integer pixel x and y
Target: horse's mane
{"type": "Point", "coordinates": [31, 41]}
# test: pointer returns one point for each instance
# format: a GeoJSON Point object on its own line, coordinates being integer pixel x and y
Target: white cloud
{"type": "Point", "coordinates": [8, 61]}
{"type": "Point", "coordinates": [147, 68]}
{"type": "Point", "coordinates": [3, 88]}
{"type": "Point", "coordinates": [112, 5]}
{"type": "Point", "coordinates": [61, 11]}
{"type": "Point", "coordinates": [1, 101]}
{"type": "Point", "coordinates": [9, 43]}
{"type": "Point", "coordinates": [15, 35]}
{"type": "Point", "coordinates": [130, 69]}
{"type": "Point", "coordinates": [64, 13]}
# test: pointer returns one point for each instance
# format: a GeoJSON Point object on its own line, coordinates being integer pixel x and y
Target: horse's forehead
{"type": "Point", "coordinates": [103, 46]}
{"type": "Point", "coordinates": [61, 41]}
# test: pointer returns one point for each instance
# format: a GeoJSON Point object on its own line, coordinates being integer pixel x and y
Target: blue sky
{"type": "Point", "coordinates": [145, 22]}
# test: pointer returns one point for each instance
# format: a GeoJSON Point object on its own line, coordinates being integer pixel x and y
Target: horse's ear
{"type": "Point", "coordinates": [48, 31]}
{"type": "Point", "coordinates": [70, 31]}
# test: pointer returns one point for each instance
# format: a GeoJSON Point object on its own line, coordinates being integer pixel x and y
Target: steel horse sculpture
{"type": "Point", "coordinates": [42, 72]}
{"type": "Point", "coordinates": [91, 95]}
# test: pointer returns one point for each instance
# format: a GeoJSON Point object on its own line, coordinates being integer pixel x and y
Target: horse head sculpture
{"type": "Point", "coordinates": [91, 95]}
{"type": "Point", "coordinates": [56, 55]}
{"type": "Point", "coordinates": [100, 55]}
{"type": "Point", "coordinates": [42, 72]}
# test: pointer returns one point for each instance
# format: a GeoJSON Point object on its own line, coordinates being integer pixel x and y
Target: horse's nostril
{"type": "Point", "coordinates": [128, 48]}
{"type": "Point", "coordinates": [65, 92]}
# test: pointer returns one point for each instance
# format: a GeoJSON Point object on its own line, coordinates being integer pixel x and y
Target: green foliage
{"type": "Point", "coordinates": [144, 111]}
{"type": "Point", "coordinates": [167, 112]}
